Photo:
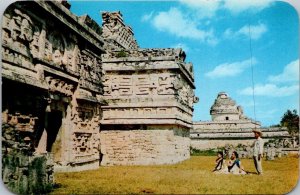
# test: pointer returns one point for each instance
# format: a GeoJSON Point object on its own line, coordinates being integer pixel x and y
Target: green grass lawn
{"type": "Point", "coordinates": [192, 176]}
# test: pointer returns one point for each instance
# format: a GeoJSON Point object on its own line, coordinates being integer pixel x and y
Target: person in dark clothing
{"type": "Point", "coordinates": [234, 165]}
{"type": "Point", "coordinates": [219, 162]}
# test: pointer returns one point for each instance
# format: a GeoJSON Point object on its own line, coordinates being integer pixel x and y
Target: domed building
{"type": "Point", "coordinates": [225, 109]}
{"type": "Point", "coordinates": [229, 125]}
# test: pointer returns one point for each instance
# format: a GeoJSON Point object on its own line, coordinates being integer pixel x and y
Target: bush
{"type": "Point", "coordinates": [210, 152]}
{"type": "Point", "coordinates": [121, 54]}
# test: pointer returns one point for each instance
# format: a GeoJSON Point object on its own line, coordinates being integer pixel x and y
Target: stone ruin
{"type": "Point", "coordinates": [229, 126]}
{"type": "Point", "coordinates": [23, 172]}
{"type": "Point", "coordinates": [273, 148]}
{"type": "Point", "coordinates": [149, 95]}
{"type": "Point", "coordinates": [83, 95]}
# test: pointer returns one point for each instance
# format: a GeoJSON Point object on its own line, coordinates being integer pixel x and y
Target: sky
{"type": "Point", "coordinates": [226, 41]}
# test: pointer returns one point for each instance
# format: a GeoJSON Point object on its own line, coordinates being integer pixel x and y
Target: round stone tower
{"type": "Point", "coordinates": [225, 109]}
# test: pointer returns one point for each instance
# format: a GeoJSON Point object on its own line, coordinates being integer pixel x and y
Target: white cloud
{"type": "Point", "coordinates": [205, 9]}
{"type": "Point", "coordinates": [182, 46]}
{"type": "Point", "coordinates": [174, 22]}
{"type": "Point", "coordinates": [238, 6]}
{"type": "Point", "coordinates": [271, 90]}
{"type": "Point", "coordinates": [289, 74]}
{"type": "Point", "coordinates": [208, 8]}
{"type": "Point", "coordinates": [147, 17]}
{"type": "Point", "coordinates": [230, 69]}
{"type": "Point", "coordinates": [256, 31]}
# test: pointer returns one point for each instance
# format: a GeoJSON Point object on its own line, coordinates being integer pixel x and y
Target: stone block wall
{"type": "Point", "coordinates": [212, 126]}
{"type": "Point", "coordinates": [143, 147]}
{"type": "Point", "coordinates": [212, 144]}
{"type": "Point", "coordinates": [210, 139]}
{"type": "Point", "coordinates": [22, 171]}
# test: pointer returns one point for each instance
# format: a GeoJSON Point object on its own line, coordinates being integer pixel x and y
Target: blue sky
{"type": "Point", "coordinates": [215, 36]}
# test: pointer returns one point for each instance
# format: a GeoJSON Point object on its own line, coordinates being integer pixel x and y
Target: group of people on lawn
{"type": "Point", "coordinates": [234, 165]}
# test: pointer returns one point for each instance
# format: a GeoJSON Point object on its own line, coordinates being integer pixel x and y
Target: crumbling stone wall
{"type": "Point", "coordinates": [22, 171]}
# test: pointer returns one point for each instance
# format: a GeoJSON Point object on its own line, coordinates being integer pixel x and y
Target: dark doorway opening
{"type": "Point", "coordinates": [53, 123]}
{"type": "Point", "coordinates": [227, 118]}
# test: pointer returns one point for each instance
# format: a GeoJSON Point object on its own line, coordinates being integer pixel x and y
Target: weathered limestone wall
{"type": "Point", "coordinates": [52, 79]}
{"type": "Point", "coordinates": [206, 144]}
{"type": "Point", "coordinates": [143, 147]}
{"type": "Point", "coordinates": [224, 125]}
{"type": "Point", "coordinates": [207, 139]}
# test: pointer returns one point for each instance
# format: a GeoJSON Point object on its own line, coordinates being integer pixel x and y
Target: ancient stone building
{"type": "Point", "coordinates": [149, 95]}
{"type": "Point", "coordinates": [88, 95]}
{"type": "Point", "coordinates": [51, 74]}
{"type": "Point", "coordinates": [229, 126]}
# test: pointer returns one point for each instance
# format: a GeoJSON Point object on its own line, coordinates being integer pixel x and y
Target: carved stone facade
{"type": "Point", "coordinates": [149, 93]}
{"type": "Point", "coordinates": [51, 73]}
{"type": "Point", "coordinates": [229, 126]}
{"type": "Point", "coordinates": [115, 33]}
{"type": "Point", "coordinates": [89, 95]}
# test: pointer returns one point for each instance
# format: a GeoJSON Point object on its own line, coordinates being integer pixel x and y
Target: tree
{"type": "Point", "coordinates": [290, 119]}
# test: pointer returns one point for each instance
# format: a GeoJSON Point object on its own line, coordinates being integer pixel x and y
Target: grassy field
{"type": "Point", "coordinates": [192, 176]}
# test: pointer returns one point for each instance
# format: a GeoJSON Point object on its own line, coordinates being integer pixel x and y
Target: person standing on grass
{"type": "Point", "coordinates": [258, 150]}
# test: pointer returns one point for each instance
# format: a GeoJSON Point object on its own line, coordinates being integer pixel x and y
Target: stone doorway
{"type": "Point", "coordinates": [50, 140]}
{"type": "Point", "coordinates": [53, 123]}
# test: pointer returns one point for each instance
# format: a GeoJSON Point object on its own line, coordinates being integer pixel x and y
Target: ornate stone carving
{"type": "Point", "coordinates": [20, 121]}
{"type": "Point", "coordinates": [90, 71]}
{"type": "Point", "coordinates": [166, 85]}
{"type": "Point", "coordinates": [145, 84]}
{"type": "Point", "coordinates": [16, 35]}
{"type": "Point", "coordinates": [26, 29]}
{"type": "Point", "coordinates": [60, 86]}
{"type": "Point", "coordinates": [82, 143]}
{"type": "Point", "coordinates": [120, 35]}
{"type": "Point", "coordinates": [147, 54]}
{"type": "Point", "coordinates": [149, 112]}
{"type": "Point", "coordinates": [57, 57]}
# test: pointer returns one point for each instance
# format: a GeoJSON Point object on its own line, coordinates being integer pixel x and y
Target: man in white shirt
{"type": "Point", "coordinates": [258, 150]}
